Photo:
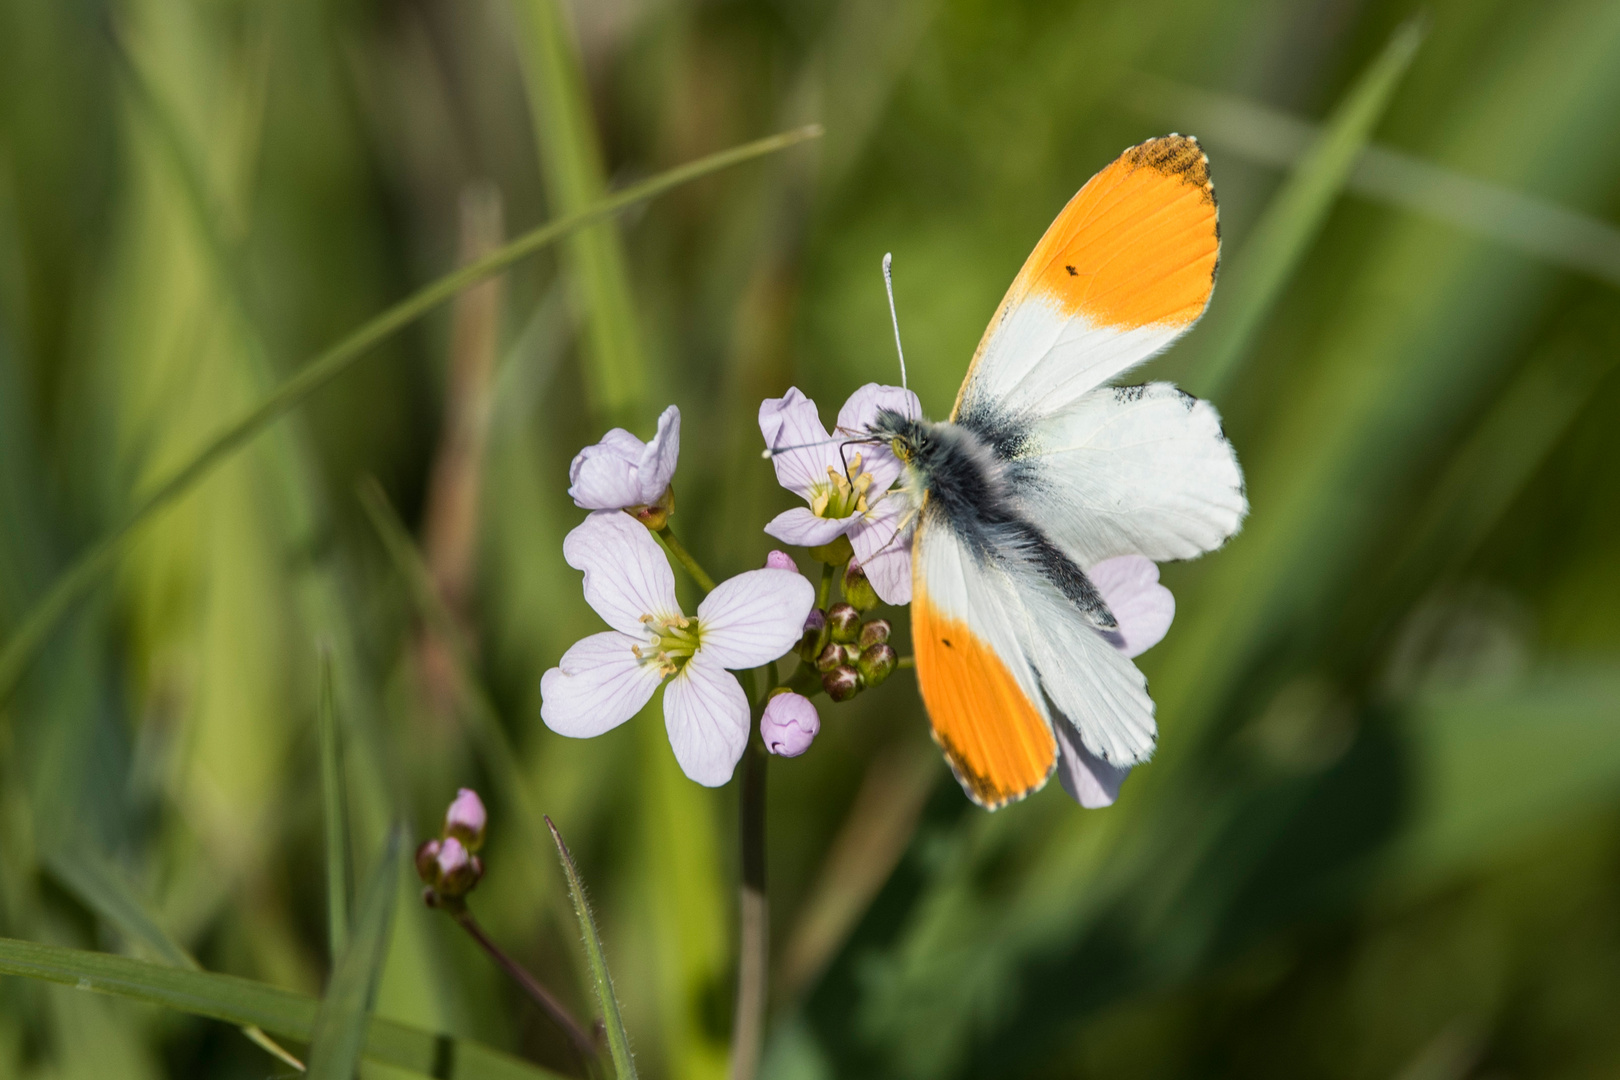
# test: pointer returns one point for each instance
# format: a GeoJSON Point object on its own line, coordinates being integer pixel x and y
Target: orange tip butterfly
{"type": "Point", "coordinates": [1045, 469]}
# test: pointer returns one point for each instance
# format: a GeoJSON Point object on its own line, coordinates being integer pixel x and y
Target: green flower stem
{"type": "Point", "coordinates": [684, 557]}
{"type": "Point", "coordinates": [905, 662]}
{"type": "Point", "coordinates": [582, 1043]}
{"type": "Point", "coordinates": [805, 680]}
{"type": "Point", "coordinates": [827, 572]}
{"type": "Point", "coordinates": [753, 954]}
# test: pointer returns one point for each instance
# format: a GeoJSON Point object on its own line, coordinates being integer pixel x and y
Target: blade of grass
{"type": "Point", "coordinates": [571, 165]}
{"type": "Point", "coordinates": [244, 1001]}
{"type": "Point", "coordinates": [624, 1067]}
{"type": "Point", "coordinates": [335, 817]}
{"type": "Point", "coordinates": [100, 887]}
{"type": "Point", "coordinates": [1296, 215]}
{"type": "Point", "coordinates": [339, 1036]}
{"type": "Point", "coordinates": [37, 624]}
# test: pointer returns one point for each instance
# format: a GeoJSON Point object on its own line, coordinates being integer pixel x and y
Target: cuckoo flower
{"type": "Point", "coordinates": [846, 481]}
{"type": "Point", "coordinates": [789, 724]}
{"type": "Point", "coordinates": [605, 679]}
{"type": "Point", "coordinates": [623, 473]}
{"type": "Point", "coordinates": [1130, 587]}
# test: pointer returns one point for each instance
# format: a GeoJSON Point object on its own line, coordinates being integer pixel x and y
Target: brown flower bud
{"type": "Point", "coordinates": [877, 663]}
{"type": "Point", "coordinates": [815, 635]}
{"type": "Point", "coordinates": [844, 622]}
{"type": "Point", "coordinates": [857, 590]}
{"type": "Point", "coordinates": [874, 632]}
{"type": "Point", "coordinates": [841, 683]}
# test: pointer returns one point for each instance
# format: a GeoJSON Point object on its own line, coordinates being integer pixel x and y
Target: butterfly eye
{"type": "Point", "coordinates": [902, 449]}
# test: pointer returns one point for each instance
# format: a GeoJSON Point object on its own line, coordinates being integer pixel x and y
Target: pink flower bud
{"type": "Point", "coordinates": [780, 560]}
{"type": "Point", "coordinates": [466, 818]}
{"type": "Point", "coordinates": [789, 725]}
{"type": "Point", "coordinates": [458, 871]}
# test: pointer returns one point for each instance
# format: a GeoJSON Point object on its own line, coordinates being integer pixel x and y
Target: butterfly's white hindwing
{"type": "Point", "coordinates": [1133, 470]}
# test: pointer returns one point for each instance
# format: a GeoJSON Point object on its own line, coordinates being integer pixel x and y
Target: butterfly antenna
{"type": "Point", "coordinates": [771, 451]}
{"type": "Point", "coordinates": [888, 285]}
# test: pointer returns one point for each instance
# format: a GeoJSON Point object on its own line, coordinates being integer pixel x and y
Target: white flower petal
{"type": "Point", "coordinates": [792, 420]}
{"type": "Point", "coordinates": [1130, 587]}
{"type": "Point", "coordinates": [1089, 780]}
{"type": "Point", "coordinates": [860, 412]}
{"type": "Point", "coordinates": [799, 526]}
{"type": "Point", "coordinates": [626, 573]}
{"type": "Point", "coordinates": [884, 556]}
{"type": "Point", "coordinates": [754, 617]}
{"type": "Point", "coordinates": [603, 475]}
{"type": "Point", "coordinates": [657, 466]}
{"type": "Point", "coordinates": [706, 715]}
{"type": "Point", "coordinates": [599, 685]}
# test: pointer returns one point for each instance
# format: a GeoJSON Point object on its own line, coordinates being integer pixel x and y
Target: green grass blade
{"type": "Point", "coordinates": [244, 1001]}
{"type": "Point", "coordinates": [101, 888]}
{"type": "Point", "coordinates": [624, 1066]}
{"type": "Point", "coordinates": [571, 165]}
{"type": "Point", "coordinates": [1296, 215]}
{"type": "Point", "coordinates": [335, 816]}
{"type": "Point", "coordinates": [85, 570]}
{"type": "Point", "coordinates": [340, 1025]}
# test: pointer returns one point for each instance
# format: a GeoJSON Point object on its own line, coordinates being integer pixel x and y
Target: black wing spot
{"type": "Point", "coordinates": [945, 641]}
{"type": "Point", "coordinates": [1123, 394]}
{"type": "Point", "coordinates": [1072, 271]}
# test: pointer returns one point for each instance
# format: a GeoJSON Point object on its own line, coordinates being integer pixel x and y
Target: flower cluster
{"type": "Point", "coordinates": [857, 521]}
{"type": "Point", "coordinates": [850, 651]}
{"type": "Point", "coordinates": [449, 865]}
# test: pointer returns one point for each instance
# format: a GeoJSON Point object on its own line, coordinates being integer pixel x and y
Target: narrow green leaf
{"type": "Point", "coordinates": [624, 1067]}
{"type": "Point", "coordinates": [1296, 215]}
{"type": "Point", "coordinates": [244, 1001]}
{"type": "Point", "coordinates": [340, 1025]}
{"type": "Point", "coordinates": [571, 165]}
{"type": "Point", "coordinates": [335, 815]}
{"type": "Point", "coordinates": [101, 888]}
{"type": "Point", "coordinates": [88, 567]}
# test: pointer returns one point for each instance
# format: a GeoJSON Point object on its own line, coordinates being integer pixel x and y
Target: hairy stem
{"type": "Point", "coordinates": [684, 557]}
{"type": "Point", "coordinates": [542, 997]}
{"type": "Point", "coordinates": [753, 959]}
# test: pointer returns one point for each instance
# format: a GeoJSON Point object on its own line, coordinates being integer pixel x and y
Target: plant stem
{"type": "Point", "coordinates": [684, 557]}
{"type": "Point", "coordinates": [905, 662]}
{"type": "Point", "coordinates": [753, 954]}
{"type": "Point", "coordinates": [825, 590]}
{"type": "Point", "coordinates": [553, 1008]}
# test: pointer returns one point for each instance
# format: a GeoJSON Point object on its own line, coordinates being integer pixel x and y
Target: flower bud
{"type": "Point", "coordinates": [857, 590]}
{"type": "Point", "coordinates": [427, 859]}
{"type": "Point", "coordinates": [780, 560]}
{"type": "Point", "coordinates": [844, 622]}
{"type": "Point", "coordinates": [876, 663]}
{"type": "Point", "coordinates": [815, 636]}
{"type": "Point", "coordinates": [466, 818]}
{"type": "Point", "coordinates": [829, 657]}
{"type": "Point", "coordinates": [789, 724]}
{"type": "Point", "coordinates": [841, 683]}
{"type": "Point", "coordinates": [836, 552]}
{"type": "Point", "coordinates": [457, 870]}
{"type": "Point", "coordinates": [875, 632]}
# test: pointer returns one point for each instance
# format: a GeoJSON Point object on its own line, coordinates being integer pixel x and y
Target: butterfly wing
{"type": "Point", "coordinates": [982, 694]}
{"type": "Point", "coordinates": [1131, 470]}
{"type": "Point", "coordinates": [995, 641]}
{"type": "Point", "coordinates": [1126, 268]}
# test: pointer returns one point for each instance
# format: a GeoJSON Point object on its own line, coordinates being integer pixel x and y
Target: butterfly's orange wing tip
{"type": "Point", "coordinates": [995, 739]}
{"type": "Point", "coordinates": [1138, 245]}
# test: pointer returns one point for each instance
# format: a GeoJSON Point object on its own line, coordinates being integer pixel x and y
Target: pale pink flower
{"type": "Point", "coordinates": [780, 560]}
{"type": "Point", "coordinates": [1130, 587]}
{"type": "Point", "coordinates": [847, 483]}
{"type": "Point", "coordinates": [605, 679]}
{"type": "Point", "coordinates": [789, 725]}
{"type": "Point", "coordinates": [621, 471]}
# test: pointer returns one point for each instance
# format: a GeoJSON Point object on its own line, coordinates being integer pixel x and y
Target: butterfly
{"type": "Point", "coordinates": [1045, 468]}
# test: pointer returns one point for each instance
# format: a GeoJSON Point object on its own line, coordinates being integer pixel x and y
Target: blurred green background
{"type": "Point", "coordinates": [1382, 834]}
